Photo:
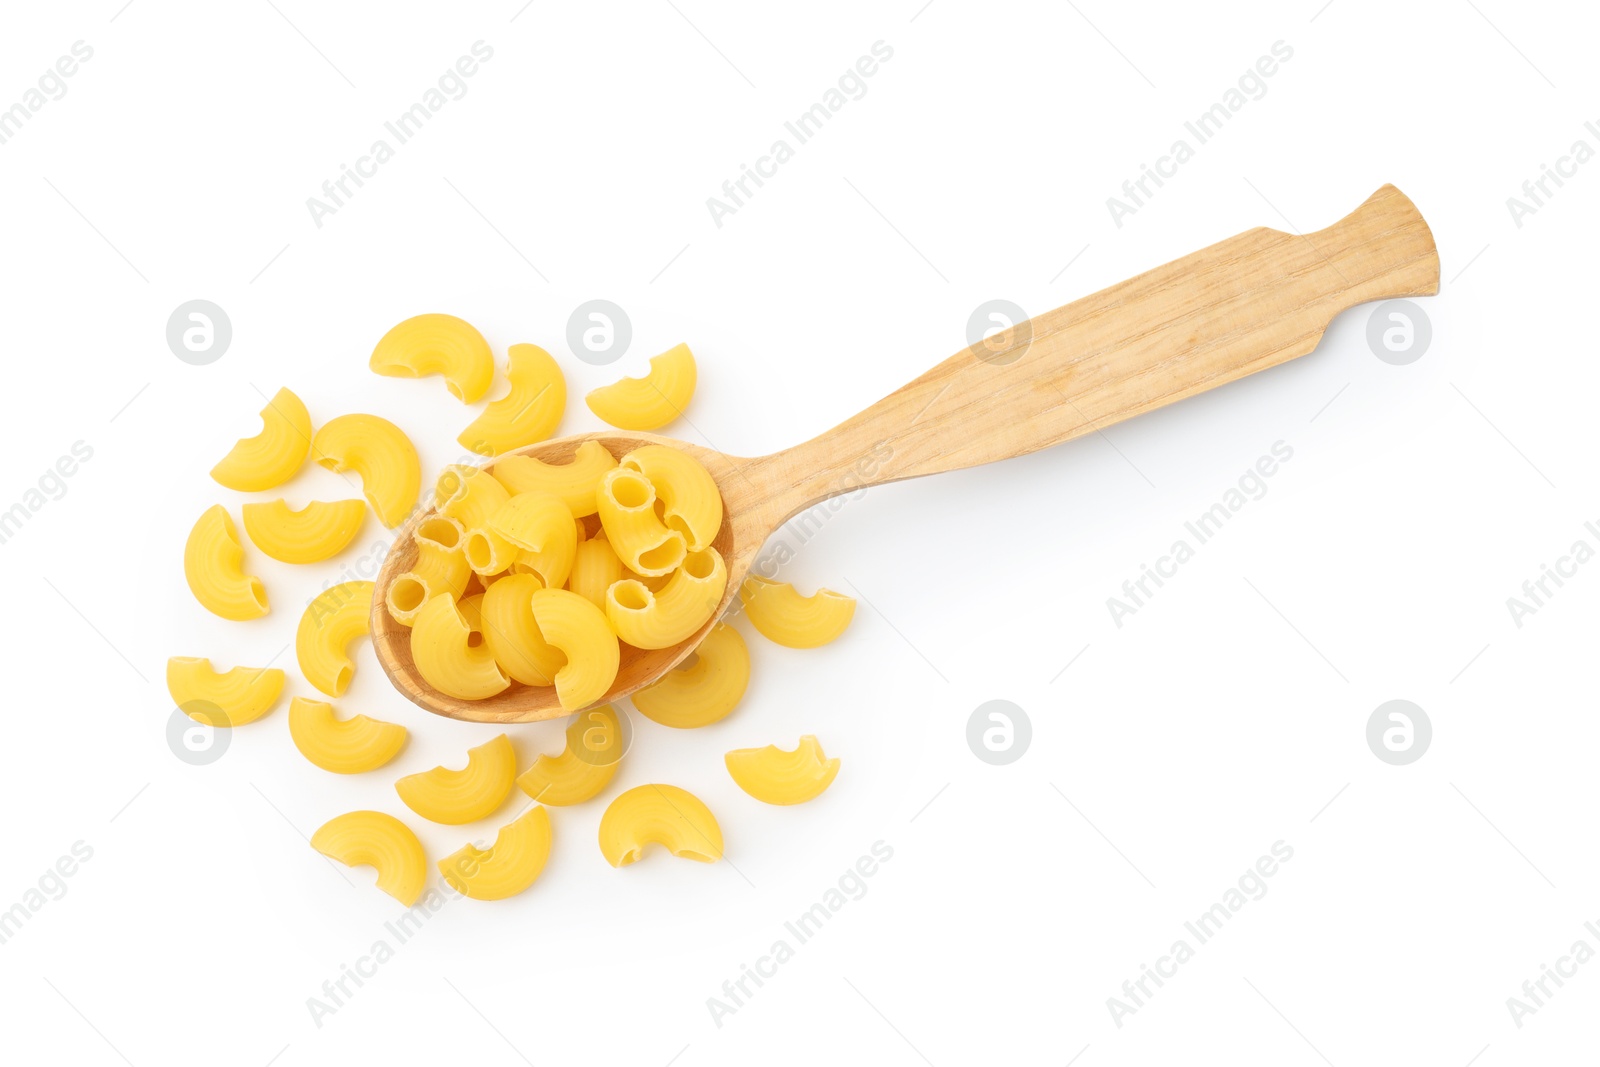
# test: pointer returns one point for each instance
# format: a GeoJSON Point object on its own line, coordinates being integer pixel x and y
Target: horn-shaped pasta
{"type": "Point", "coordinates": [213, 562]}
{"type": "Point", "coordinates": [661, 815]}
{"type": "Point", "coordinates": [580, 631]}
{"type": "Point", "coordinates": [437, 344]}
{"type": "Point", "coordinates": [779, 613]}
{"type": "Point", "coordinates": [659, 620]}
{"type": "Point", "coordinates": [448, 648]}
{"type": "Point", "coordinates": [343, 746]}
{"type": "Point", "coordinates": [705, 692]}
{"type": "Point", "coordinates": [530, 412]}
{"type": "Point", "coordinates": [272, 456]}
{"type": "Point", "coordinates": [511, 865]}
{"type": "Point", "coordinates": [336, 617]}
{"type": "Point", "coordinates": [573, 482]}
{"type": "Point", "coordinates": [542, 529]}
{"type": "Point", "coordinates": [472, 793]}
{"type": "Point", "coordinates": [775, 776]}
{"type": "Point", "coordinates": [627, 508]}
{"type": "Point", "coordinates": [241, 695]}
{"type": "Point", "coordinates": [381, 454]}
{"type": "Point", "coordinates": [594, 567]}
{"type": "Point", "coordinates": [650, 402]}
{"type": "Point", "coordinates": [441, 567]}
{"type": "Point", "coordinates": [316, 532]}
{"type": "Point", "coordinates": [585, 767]}
{"type": "Point", "coordinates": [374, 839]}
{"type": "Point", "coordinates": [692, 505]}
{"type": "Point", "coordinates": [512, 635]}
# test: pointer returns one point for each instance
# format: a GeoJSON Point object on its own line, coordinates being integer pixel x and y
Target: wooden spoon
{"type": "Point", "coordinates": [1240, 306]}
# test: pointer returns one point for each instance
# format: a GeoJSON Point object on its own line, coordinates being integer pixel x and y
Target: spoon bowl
{"type": "Point", "coordinates": [1240, 306]}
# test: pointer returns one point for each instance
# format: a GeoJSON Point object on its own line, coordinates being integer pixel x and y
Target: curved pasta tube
{"type": "Point", "coordinates": [775, 776]}
{"type": "Point", "coordinates": [441, 567]}
{"type": "Point", "coordinates": [316, 532]}
{"type": "Point", "coordinates": [381, 454]}
{"type": "Point", "coordinates": [337, 616]}
{"type": "Point", "coordinates": [468, 494]}
{"type": "Point", "coordinates": [580, 631]}
{"type": "Point", "coordinates": [272, 456]}
{"type": "Point", "coordinates": [705, 692]}
{"type": "Point", "coordinates": [375, 839]}
{"type": "Point", "coordinates": [594, 567]}
{"type": "Point", "coordinates": [512, 635]}
{"type": "Point", "coordinates": [650, 402]}
{"type": "Point", "coordinates": [448, 649]}
{"type": "Point", "coordinates": [343, 746]}
{"type": "Point", "coordinates": [511, 865]}
{"type": "Point", "coordinates": [472, 793]}
{"type": "Point", "coordinates": [691, 502]}
{"type": "Point", "coordinates": [779, 613]}
{"type": "Point", "coordinates": [573, 482]}
{"type": "Point", "coordinates": [660, 620]}
{"type": "Point", "coordinates": [530, 412]}
{"type": "Point", "coordinates": [585, 767]}
{"type": "Point", "coordinates": [627, 507]}
{"type": "Point", "coordinates": [660, 815]}
{"type": "Point", "coordinates": [213, 563]}
{"type": "Point", "coordinates": [543, 531]}
{"type": "Point", "coordinates": [437, 344]}
{"type": "Point", "coordinates": [241, 695]}
{"type": "Point", "coordinates": [489, 554]}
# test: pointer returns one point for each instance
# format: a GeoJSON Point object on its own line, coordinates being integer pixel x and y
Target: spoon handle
{"type": "Point", "coordinates": [1242, 305]}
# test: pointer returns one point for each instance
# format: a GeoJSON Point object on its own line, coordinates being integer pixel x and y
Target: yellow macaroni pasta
{"type": "Point", "coordinates": [213, 563]}
{"type": "Point", "coordinates": [659, 620]}
{"type": "Point", "coordinates": [704, 692]}
{"type": "Point", "coordinates": [381, 455]}
{"type": "Point", "coordinates": [513, 863]}
{"type": "Point", "coordinates": [316, 532]}
{"type": "Point", "coordinates": [437, 344]}
{"type": "Point", "coordinates": [580, 631]}
{"type": "Point", "coordinates": [383, 842]}
{"type": "Point", "coordinates": [585, 767]}
{"type": "Point", "coordinates": [661, 815]}
{"type": "Point", "coordinates": [271, 457]}
{"type": "Point", "coordinates": [222, 698]}
{"type": "Point", "coordinates": [511, 634]}
{"type": "Point", "coordinates": [573, 482]}
{"type": "Point", "coordinates": [542, 529]}
{"type": "Point", "coordinates": [627, 508]}
{"type": "Point", "coordinates": [472, 793]}
{"type": "Point", "coordinates": [651, 402]}
{"type": "Point", "coordinates": [530, 412]}
{"type": "Point", "coordinates": [448, 648]}
{"type": "Point", "coordinates": [691, 503]}
{"type": "Point", "coordinates": [343, 746]}
{"type": "Point", "coordinates": [441, 567]}
{"type": "Point", "coordinates": [336, 617]}
{"type": "Point", "coordinates": [779, 613]}
{"type": "Point", "coordinates": [594, 567]}
{"type": "Point", "coordinates": [774, 776]}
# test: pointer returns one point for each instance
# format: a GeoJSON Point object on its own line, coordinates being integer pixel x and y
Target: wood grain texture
{"type": "Point", "coordinates": [1242, 305]}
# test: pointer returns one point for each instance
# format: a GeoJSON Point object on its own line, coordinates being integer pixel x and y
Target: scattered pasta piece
{"type": "Point", "coordinates": [374, 839]}
{"type": "Point", "coordinates": [573, 482]}
{"type": "Point", "coordinates": [448, 647]}
{"type": "Point", "coordinates": [661, 815]}
{"type": "Point", "coordinates": [472, 793]}
{"type": "Point", "coordinates": [705, 692]}
{"type": "Point", "coordinates": [381, 454]}
{"type": "Point", "coordinates": [316, 532]}
{"type": "Point", "coordinates": [651, 402]}
{"type": "Point", "coordinates": [511, 865]}
{"type": "Point", "coordinates": [272, 456]}
{"type": "Point", "coordinates": [779, 613]}
{"type": "Point", "coordinates": [343, 746]}
{"type": "Point", "coordinates": [222, 698]}
{"type": "Point", "coordinates": [213, 563]}
{"type": "Point", "coordinates": [530, 412]}
{"type": "Point", "coordinates": [660, 620]}
{"type": "Point", "coordinates": [585, 767]}
{"type": "Point", "coordinates": [437, 344]}
{"type": "Point", "coordinates": [337, 616]}
{"type": "Point", "coordinates": [580, 631]}
{"type": "Point", "coordinates": [627, 507]}
{"type": "Point", "coordinates": [775, 776]}
{"type": "Point", "coordinates": [691, 502]}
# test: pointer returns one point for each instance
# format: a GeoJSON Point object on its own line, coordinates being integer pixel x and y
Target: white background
{"type": "Point", "coordinates": [1226, 715]}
